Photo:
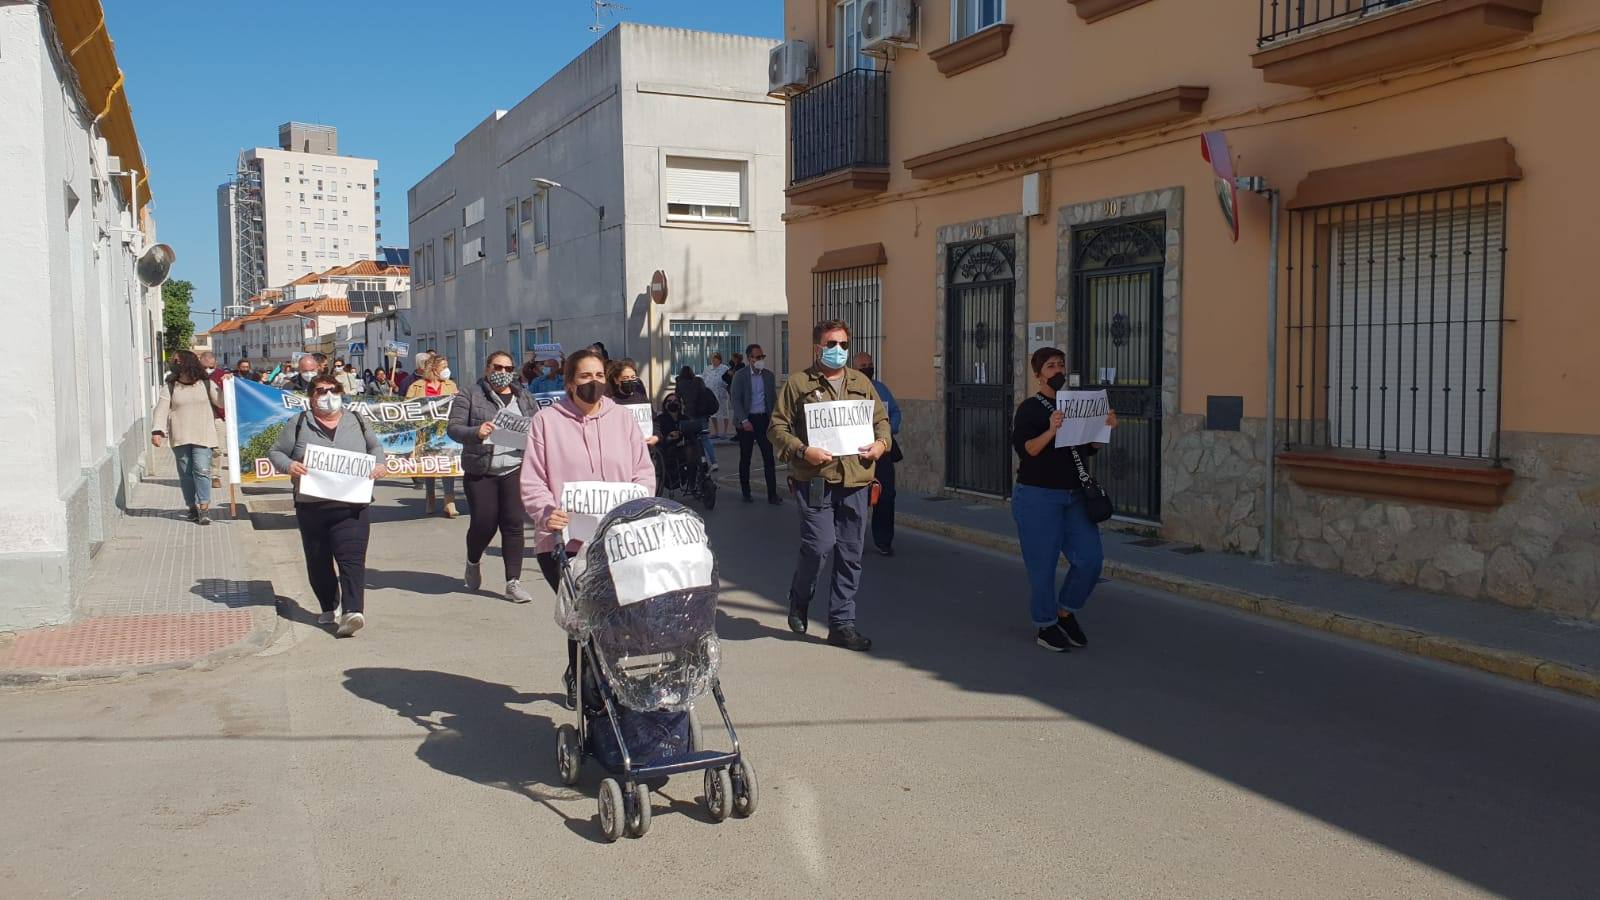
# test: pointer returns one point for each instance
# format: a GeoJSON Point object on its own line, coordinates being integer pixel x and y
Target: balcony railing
{"type": "Point", "coordinates": [840, 124]}
{"type": "Point", "coordinates": [1283, 19]}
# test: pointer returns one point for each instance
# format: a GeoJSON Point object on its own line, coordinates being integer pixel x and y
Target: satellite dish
{"type": "Point", "coordinates": [1214, 149]}
{"type": "Point", "coordinates": [155, 265]}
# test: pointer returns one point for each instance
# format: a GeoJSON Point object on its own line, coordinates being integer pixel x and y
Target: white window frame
{"type": "Point", "coordinates": [974, 19]}
{"type": "Point", "coordinates": [513, 227]}
{"type": "Point", "coordinates": [447, 247]}
{"type": "Point", "coordinates": [747, 190]}
{"type": "Point", "coordinates": [847, 38]}
{"type": "Point", "coordinates": [541, 218]}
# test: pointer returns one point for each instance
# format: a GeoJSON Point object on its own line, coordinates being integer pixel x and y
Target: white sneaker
{"type": "Point", "coordinates": [351, 623]}
{"type": "Point", "coordinates": [516, 593]}
{"type": "Point", "coordinates": [327, 618]}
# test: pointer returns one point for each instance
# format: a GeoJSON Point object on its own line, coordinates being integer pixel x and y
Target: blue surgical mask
{"type": "Point", "coordinates": [835, 357]}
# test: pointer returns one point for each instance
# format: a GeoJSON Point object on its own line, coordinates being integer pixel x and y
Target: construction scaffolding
{"type": "Point", "coordinates": [251, 267]}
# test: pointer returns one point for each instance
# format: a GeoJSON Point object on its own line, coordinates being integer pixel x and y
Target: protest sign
{"type": "Point", "coordinates": [542, 352]}
{"type": "Point", "coordinates": [335, 474]}
{"type": "Point", "coordinates": [412, 432]}
{"type": "Point", "coordinates": [547, 398]}
{"type": "Point", "coordinates": [658, 555]}
{"type": "Point", "coordinates": [587, 502]}
{"type": "Point", "coordinates": [841, 427]}
{"type": "Point", "coordinates": [510, 429]}
{"type": "Point", "coordinates": [642, 417]}
{"type": "Point", "coordinates": [1085, 421]}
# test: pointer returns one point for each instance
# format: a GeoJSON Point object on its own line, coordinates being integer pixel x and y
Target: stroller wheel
{"type": "Point", "coordinates": [719, 794]}
{"type": "Point", "coordinates": [745, 793]}
{"type": "Point", "coordinates": [639, 816]}
{"type": "Point", "coordinates": [611, 811]}
{"type": "Point", "coordinates": [569, 756]}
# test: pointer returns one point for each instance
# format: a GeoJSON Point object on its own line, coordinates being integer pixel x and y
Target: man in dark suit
{"type": "Point", "coordinates": [754, 394]}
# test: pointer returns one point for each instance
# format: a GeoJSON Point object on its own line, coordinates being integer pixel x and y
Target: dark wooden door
{"type": "Point", "coordinates": [980, 313]}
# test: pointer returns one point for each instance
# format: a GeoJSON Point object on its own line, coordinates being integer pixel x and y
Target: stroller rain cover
{"type": "Point", "coordinates": [647, 597]}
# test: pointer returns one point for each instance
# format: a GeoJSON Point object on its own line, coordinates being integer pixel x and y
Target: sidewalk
{"type": "Point", "coordinates": [162, 593]}
{"type": "Point", "coordinates": [1516, 643]}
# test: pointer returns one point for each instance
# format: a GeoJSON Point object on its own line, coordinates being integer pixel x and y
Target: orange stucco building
{"type": "Point", "coordinates": [996, 176]}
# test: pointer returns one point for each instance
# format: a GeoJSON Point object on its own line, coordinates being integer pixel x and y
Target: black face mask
{"type": "Point", "coordinates": [869, 371]}
{"type": "Point", "coordinates": [674, 408]}
{"type": "Point", "coordinates": [630, 388]}
{"type": "Point", "coordinates": [1057, 381]}
{"type": "Point", "coordinates": [590, 391]}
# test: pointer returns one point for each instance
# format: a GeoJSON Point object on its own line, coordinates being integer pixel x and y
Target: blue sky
{"type": "Point", "coordinates": [402, 80]}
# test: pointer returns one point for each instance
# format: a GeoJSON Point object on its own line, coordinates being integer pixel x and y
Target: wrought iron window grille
{"type": "Point", "coordinates": [1285, 19]}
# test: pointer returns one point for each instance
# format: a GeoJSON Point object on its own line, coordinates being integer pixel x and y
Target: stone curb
{"type": "Point", "coordinates": [1507, 663]}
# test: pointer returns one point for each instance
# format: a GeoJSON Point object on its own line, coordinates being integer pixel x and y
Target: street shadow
{"type": "Point", "coordinates": [1430, 762]}
{"type": "Point", "coordinates": [290, 609]}
{"type": "Point", "coordinates": [473, 731]}
{"type": "Point", "coordinates": [433, 583]}
{"type": "Point", "coordinates": [234, 594]}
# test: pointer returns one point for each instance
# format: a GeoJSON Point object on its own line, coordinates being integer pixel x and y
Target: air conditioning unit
{"type": "Point", "coordinates": [886, 24]}
{"type": "Point", "coordinates": [789, 68]}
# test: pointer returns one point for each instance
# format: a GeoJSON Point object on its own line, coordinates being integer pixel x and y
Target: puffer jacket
{"type": "Point", "coordinates": [566, 445]}
{"type": "Point", "coordinates": [470, 410]}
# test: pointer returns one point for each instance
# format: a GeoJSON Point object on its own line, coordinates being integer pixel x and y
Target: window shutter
{"type": "Point", "coordinates": [1413, 346]}
{"type": "Point", "coordinates": [705, 182]}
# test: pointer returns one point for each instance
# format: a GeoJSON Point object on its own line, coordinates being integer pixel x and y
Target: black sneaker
{"type": "Point", "coordinates": [193, 514]}
{"type": "Point", "coordinates": [571, 685]}
{"type": "Point", "coordinates": [1053, 639]}
{"type": "Point", "coordinates": [203, 517]}
{"type": "Point", "coordinates": [749, 499]}
{"type": "Point", "coordinates": [1069, 626]}
{"type": "Point", "coordinates": [848, 637]}
{"type": "Point", "coordinates": [797, 618]}
{"type": "Point", "coordinates": [886, 551]}
{"type": "Point", "coordinates": [775, 500]}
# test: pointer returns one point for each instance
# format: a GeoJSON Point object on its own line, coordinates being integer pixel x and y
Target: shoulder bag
{"type": "Point", "coordinates": [1096, 503]}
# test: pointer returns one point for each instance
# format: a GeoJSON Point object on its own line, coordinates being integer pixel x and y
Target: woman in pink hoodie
{"type": "Point", "coordinates": [586, 437]}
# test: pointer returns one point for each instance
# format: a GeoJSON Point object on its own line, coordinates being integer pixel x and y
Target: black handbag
{"type": "Point", "coordinates": [1095, 501]}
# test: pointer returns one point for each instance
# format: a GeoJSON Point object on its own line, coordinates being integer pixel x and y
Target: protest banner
{"type": "Point", "coordinates": [542, 352]}
{"type": "Point", "coordinates": [1085, 418]}
{"type": "Point", "coordinates": [841, 427]}
{"type": "Point", "coordinates": [412, 432]}
{"type": "Point", "coordinates": [510, 429]}
{"type": "Point", "coordinates": [642, 418]}
{"type": "Point", "coordinates": [335, 474]}
{"type": "Point", "coordinates": [587, 502]}
{"type": "Point", "coordinates": [656, 556]}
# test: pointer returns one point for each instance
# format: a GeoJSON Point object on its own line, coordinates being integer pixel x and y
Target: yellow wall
{"type": "Point", "coordinates": [1537, 94]}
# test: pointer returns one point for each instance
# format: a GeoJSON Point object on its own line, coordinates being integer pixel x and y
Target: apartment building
{"type": "Point", "coordinates": [309, 311]}
{"type": "Point", "coordinates": [75, 196]}
{"type": "Point", "coordinates": [293, 209]}
{"type": "Point", "coordinates": [971, 179]}
{"type": "Point", "coordinates": [656, 150]}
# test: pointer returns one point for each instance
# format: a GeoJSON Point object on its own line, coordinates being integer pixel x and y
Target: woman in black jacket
{"type": "Point", "coordinates": [493, 470]}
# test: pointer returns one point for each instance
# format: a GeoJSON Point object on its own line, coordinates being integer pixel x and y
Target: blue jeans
{"type": "Point", "coordinates": [1052, 523]}
{"type": "Point", "coordinates": [194, 473]}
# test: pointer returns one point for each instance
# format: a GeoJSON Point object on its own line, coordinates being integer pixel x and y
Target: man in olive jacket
{"type": "Point", "coordinates": [833, 491]}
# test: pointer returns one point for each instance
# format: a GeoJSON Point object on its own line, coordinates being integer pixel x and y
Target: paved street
{"type": "Point", "coordinates": [1190, 751]}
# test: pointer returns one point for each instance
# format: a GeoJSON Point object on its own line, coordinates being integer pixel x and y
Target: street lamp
{"type": "Point", "coordinates": [548, 184]}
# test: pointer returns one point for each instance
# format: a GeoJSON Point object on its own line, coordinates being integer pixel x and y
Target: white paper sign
{"type": "Point", "coordinates": [587, 502]}
{"type": "Point", "coordinates": [642, 417]}
{"type": "Point", "coordinates": [1085, 421]}
{"type": "Point", "coordinates": [658, 555]}
{"type": "Point", "coordinates": [841, 427]}
{"type": "Point", "coordinates": [510, 429]}
{"type": "Point", "coordinates": [335, 474]}
{"type": "Point", "coordinates": [542, 352]}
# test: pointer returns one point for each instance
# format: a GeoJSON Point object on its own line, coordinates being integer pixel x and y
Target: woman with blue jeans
{"type": "Point", "coordinates": [184, 418]}
{"type": "Point", "coordinates": [1048, 505]}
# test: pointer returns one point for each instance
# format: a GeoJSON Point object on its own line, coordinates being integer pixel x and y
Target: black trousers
{"type": "Point", "coordinates": [334, 536]}
{"type": "Point", "coordinates": [883, 513]}
{"type": "Point", "coordinates": [496, 502]}
{"type": "Point", "coordinates": [550, 568]}
{"type": "Point", "coordinates": [756, 437]}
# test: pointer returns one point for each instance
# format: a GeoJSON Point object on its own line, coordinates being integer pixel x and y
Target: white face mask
{"type": "Point", "coordinates": [760, 365]}
{"type": "Point", "coordinates": [444, 372]}
{"type": "Point", "coordinates": [330, 402]}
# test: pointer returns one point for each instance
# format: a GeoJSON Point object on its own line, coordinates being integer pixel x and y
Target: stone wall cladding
{"type": "Point", "coordinates": [1541, 549]}
{"type": "Point", "coordinates": [921, 439]}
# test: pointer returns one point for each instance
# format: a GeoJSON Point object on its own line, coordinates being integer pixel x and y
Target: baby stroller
{"type": "Point", "coordinates": [684, 469]}
{"type": "Point", "coordinates": [641, 600]}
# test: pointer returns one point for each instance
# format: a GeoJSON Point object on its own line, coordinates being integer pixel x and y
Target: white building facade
{"type": "Point", "coordinates": [73, 220]}
{"type": "Point", "coordinates": [678, 156]}
{"type": "Point", "coordinates": [312, 209]}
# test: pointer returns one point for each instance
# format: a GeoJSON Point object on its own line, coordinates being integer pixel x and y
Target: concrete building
{"type": "Point", "coordinates": [295, 209]}
{"type": "Point", "coordinates": [670, 134]}
{"type": "Point", "coordinates": [309, 311]}
{"type": "Point", "coordinates": [74, 219]}
{"type": "Point", "coordinates": [1029, 172]}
